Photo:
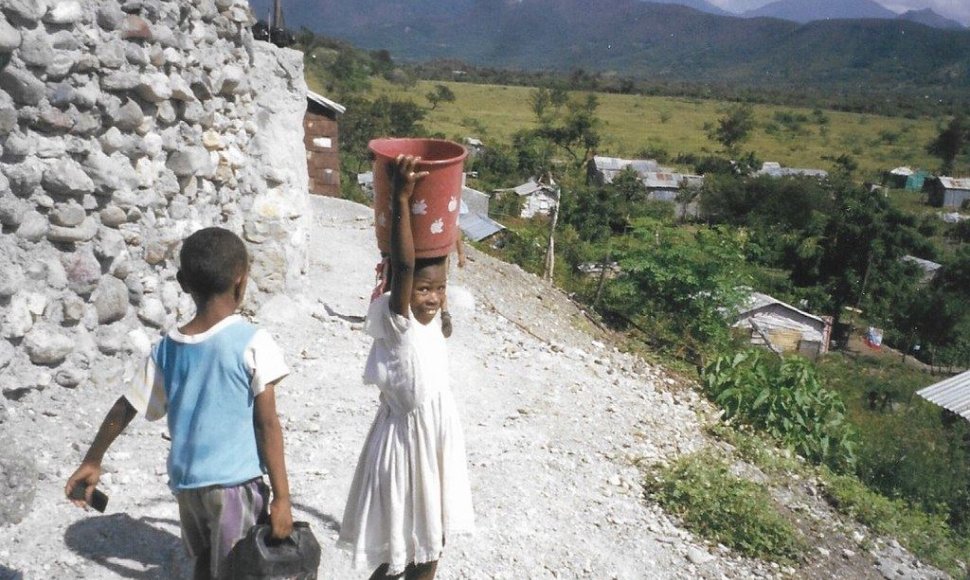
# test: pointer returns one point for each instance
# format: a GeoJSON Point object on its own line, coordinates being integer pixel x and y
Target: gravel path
{"type": "Point", "coordinates": [553, 419]}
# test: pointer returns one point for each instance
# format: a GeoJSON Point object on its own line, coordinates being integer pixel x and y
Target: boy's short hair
{"type": "Point", "coordinates": [210, 261]}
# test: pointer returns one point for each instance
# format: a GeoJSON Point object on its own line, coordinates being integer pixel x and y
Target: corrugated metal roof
{"type": "Point", "coordinates": [609, 167]}
{"type": "Point", "coordinates": [952, 394]}
{"type": "Point", "coordinates": [955, 182]}
{"type": "Point", "coordinates": [774, 169]}
{"type": "Point", "coordinates": [902, 171]}
{"type": "Point", "coordinates": [530, 187]}
{"type": "Point", "coordinates": [926, 265]}
{"type": "Point", "coordinates": [758, 300]}
{"type": "Point", "coordinates": [668, 180]}
{"type": "Point", "coordinates": [477, 227]}
{"type": "Point", "coordinates": [325, 102]}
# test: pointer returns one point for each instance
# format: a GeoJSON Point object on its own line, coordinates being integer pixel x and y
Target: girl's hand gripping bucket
{"type": "Point", "coordinates": [436, 199]}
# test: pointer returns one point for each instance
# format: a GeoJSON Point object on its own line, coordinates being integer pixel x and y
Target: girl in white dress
{"type": "Point", "coordinates": [410, 491]}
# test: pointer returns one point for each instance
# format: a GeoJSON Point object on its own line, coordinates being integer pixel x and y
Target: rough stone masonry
{"type": "Point", "coordinates": [125, 126]}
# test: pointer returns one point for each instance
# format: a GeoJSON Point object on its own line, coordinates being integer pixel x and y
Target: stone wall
{"type": "Point", "coordinates": [125, 126]}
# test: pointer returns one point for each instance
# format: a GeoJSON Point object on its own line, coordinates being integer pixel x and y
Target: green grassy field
{"type": "Point", "coordinates": [792, 136]}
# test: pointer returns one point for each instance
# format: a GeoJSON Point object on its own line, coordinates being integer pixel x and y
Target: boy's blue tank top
{"type": "Point", "coordinates": [210, 409]}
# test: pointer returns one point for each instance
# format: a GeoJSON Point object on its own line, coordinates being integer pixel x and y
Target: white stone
{"type": "Point", "coordinates": [9, 36]}
{"type": "Point", "coordinates": [111, 300]}
{"type": "Point", "coordinates": [151, 145]}
{"type": "Point", "coordinates": [138, 342]}
{"type": "Point", "coordinates": [18, 319]}
{"type": "Point", "coordinates": [64, 12]}
{"type": "Point", "coordinates": [154, 87]}
{"type": "Point", "coordinates": [11, 279]}
{"type": "Point", "coordinates": [47, 346]}
{"type": "Point", "coordinates": [152, 312]}
{"type": "Point", "coordinates": [180, 88]}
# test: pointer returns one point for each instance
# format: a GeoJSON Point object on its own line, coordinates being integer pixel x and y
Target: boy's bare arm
{"type": "Point", "coordinates": [89, 472]}
{"type": "Point", "coordinates": [403, 178]}
{"type": "Point", "coordinates": [269, 435]}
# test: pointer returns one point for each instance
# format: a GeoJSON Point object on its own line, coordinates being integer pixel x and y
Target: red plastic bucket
{"type": "Point", "coordinates": [436, 199]}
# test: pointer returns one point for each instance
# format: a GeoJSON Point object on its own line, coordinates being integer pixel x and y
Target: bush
{"type": "Point", "coordinates": [926, 535]}
{"type": "Point", "coordinates": [721, 507]}
{"type": "Point", "coordinates": [785, 399]}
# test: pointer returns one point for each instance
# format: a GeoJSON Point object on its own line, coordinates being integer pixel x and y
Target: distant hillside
{"type": "Point", "coordinates": [700, 5]}
{"type": "Point", "coordinates": [662, 42]}
{"type": "Point", "coordinates": [932, 19]}
{"type": "Point", "coordinates": [802, 11]}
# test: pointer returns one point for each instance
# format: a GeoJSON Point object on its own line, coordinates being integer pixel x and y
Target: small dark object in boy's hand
{"type": "Point", "coordinates": [446, 327]}
{"type": "Point", "coordinates": [99, 501]}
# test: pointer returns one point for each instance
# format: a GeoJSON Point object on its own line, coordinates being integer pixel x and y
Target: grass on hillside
{"type": "Point", "coordinates": [632, 123]}
{"type": "Point", "coordinates": [926, 535]}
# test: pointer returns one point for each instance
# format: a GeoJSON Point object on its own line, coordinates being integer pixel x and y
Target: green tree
{"type": "Point", "coordinates": [440, 94]}
{"type": "Point", "coordinates": [733, 128]}
{"type": "Point", "coordinates": [366, 120]}
{"type": "Point", "coordinates": [678, 285]}
{"type": "Point", "coordinates": [949, 143]}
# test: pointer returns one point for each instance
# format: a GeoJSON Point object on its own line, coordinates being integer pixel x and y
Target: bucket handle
{"type": "Point", "coordinates": [263, 537]}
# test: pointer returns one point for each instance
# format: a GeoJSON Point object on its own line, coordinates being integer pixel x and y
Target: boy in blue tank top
{"type": "Point", "coordinates": [215, 379]}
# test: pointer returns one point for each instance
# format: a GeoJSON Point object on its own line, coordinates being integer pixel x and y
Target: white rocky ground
{"type": "Point", "coordinates": [554, 419]}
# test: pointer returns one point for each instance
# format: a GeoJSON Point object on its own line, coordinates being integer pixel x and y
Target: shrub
{"type": "Point", "coordinates": [926, 535]}
{"type": "Point", "coordinates": [785, 399]}
{"type": "Point", "coordinates": [721, 507]}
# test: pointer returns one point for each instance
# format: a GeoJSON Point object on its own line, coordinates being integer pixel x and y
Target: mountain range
{"type": "Point", "coordinates": [658, 41]}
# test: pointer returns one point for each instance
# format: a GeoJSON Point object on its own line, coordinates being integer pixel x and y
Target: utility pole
{"type": "Point", "coordinates": [276, 24]}
{"type": "Point", "coordinates": [551, 248]}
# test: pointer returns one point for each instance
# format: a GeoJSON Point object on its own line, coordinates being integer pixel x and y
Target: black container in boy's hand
{"type": "Point", "coordinates": [258, 557]}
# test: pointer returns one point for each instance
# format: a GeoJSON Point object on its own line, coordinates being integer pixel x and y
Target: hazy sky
{"type": "Point", "coordinates": [956, 9]}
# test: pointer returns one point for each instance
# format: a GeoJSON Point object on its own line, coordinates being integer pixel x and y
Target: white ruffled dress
{"type": "Point", "coordinates": [410, 490]}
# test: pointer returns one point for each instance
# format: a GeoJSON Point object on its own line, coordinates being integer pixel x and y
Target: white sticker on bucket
{"type": "Point", "coordinates": [437, 226]}
{"type": "Point", "coordinates": [419, 207]}
{"type": "Point", "coordinates": [452, 204]}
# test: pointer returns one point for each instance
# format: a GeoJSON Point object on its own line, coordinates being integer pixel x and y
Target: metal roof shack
{"type": "Point", "coordinates": [947, 191]}
{"type": "Point", "coordinates": [774, 169]}
{"type": "Point", "coordinates": [906, 178]}
{"type": "Point", "coordinates": [781, 327]}
{"type": "Point", "coordinates": [477, 227]}
{"type": "Point", "coordinates": [473, 218]}
{"type": "Point", "coordinates": [540, 197]}
{"type": "Point", "coordinates": [604, 169]}
{"type": "Point", "coordinates": [928, 267]}
{"type": "Point", "coordinates": [953, 394]}
{"type": "Point", "coordinates": [656, 181]}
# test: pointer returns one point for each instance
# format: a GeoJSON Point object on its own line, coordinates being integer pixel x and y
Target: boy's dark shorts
{"type": "Point", "coordinates": [214, 518]}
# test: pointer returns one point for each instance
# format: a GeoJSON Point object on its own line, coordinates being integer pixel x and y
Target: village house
{"type": "Point", "coordinates": [366, 183]}
{"type": "Point", "coordinates": [320, 137]}
{"type": "Point", "coordinates": [775, 169]}
{"type": "Point", "coordinates": [473, 220]}
{"type": "Point", "coordinates": [783, 328]}
{"type": "Point", "coordinates": [928, 268]}
{"type": "Point", "coordinates": [537, 198]}
{"type": "Point", "coordinates": [662, 184]}
{"type": "Point", "coordinates": [947, 191]}
{"type": "Point", "coordinates": [953, 394]}
{"type": "Point", "coordinates": [602, 170]}
{"type": "Point", "coordinates": [666, 186]}
{"type": "Point", "coordinates": [474, 146]}
{"type": "Point", "coordinates": [906, 178]}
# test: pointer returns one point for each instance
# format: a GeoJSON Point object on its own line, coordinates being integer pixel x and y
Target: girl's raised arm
{"type": "Point", "coordinates": [403, 178]}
